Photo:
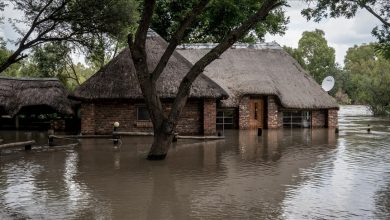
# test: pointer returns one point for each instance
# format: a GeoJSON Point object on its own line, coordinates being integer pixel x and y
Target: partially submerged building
{"type": "Point", "coordinates": [113, 94]}
{"type": "Point", "coordinates": [267, 88]}
{"type": "Point", "coordinates": [33, 103]}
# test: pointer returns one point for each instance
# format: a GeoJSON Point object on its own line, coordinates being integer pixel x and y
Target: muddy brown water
{"type": "Point", "coordinates": [285, 174]}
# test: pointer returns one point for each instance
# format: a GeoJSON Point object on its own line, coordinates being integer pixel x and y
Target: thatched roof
{"type": "Point", "coordinates": [263, 69]}
{"type": "Point", "coordinates": [118, 80]}
{"type": "Point", "coordinates": [16, 93]}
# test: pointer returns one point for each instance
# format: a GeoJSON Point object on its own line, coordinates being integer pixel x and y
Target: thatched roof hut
{"type": "Point", "coordinates": [262, 69]}
{"type": "Point", "coordinates": [16, 93]}
{"type": "Point", "coordinates": [118, 80]}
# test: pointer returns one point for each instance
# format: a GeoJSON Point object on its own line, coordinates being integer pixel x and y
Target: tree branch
{"type": "Point", "coordinates": [227, 42]}
{"type": "Point", "coordinates": [34, 24]}
{"type": "Point", "coordinates": [177, 37]}
{"type": "Point", "coordinates": [369, 9]}
{"type": "Point", "coordinates": [139, 57]}
{"type": "Point", "coordinates": [146, 19]}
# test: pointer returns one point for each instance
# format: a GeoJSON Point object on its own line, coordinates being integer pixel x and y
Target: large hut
{"type": "Point", "coordinates": [267, 88]}
{"type": "Point", "coordinates": [24, 100]}
{"type": "Point", "coordinates": [113, 94]}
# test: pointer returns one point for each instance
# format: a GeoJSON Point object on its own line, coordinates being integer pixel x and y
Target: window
{"type": "Point", "coordinates": [143, 113]}
{"type": "Point", "coordinates": [296, 119]}
{"type": "Point", "coordinates": [225, 119]}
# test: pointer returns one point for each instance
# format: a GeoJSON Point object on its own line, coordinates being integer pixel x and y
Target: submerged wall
{"type": "Point", "coordinates": [274, 115]}
{"type": "Point", "coordinates": [198, 117]}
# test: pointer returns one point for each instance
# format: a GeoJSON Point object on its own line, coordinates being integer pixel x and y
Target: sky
{"type": "Point", "coordinates": [340, 33]}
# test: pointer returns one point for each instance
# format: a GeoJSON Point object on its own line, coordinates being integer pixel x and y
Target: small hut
{"type": "Point", "coordinates": [113, 94]}
{"type": "Point", "coordinates": [32, 102]}
{"type": "Point", "coordinates": [267, 88]}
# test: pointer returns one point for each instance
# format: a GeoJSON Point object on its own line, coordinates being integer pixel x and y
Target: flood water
{"type": "Point", "coordinates": [285, 174]}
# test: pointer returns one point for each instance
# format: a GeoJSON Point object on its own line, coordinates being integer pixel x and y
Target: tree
{"type": "Point", "coordinates": [380, 9]}
{"type": "Point", "coordinates": [216, 20]}
{"type": "Point", "coordinates": [4, 54]}
{"type": "Point", "coordinates": [369, 77]}
{"type": "Point", "coordinates": [72, 21]}
{"type": "Point", "coordinates": [55, 61]}
{"type": "Point", "coordinates": [314, 55]}
{"type": "Point", "coordinates": [101, 49]}
{"type": "Point", "coordinates": [164, 125]}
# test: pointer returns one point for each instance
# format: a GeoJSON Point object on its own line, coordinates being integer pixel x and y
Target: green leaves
{"type": "Point", "coordinates": [219, 17]}
{"type": "Point", "coordinates": [380, 9]}
{"type": "Point", "coordinates": [314, 55]}
{"type": "Point", "coordinates": [76, 22]}
{"type": "Point", "coordinates": [369, 75]}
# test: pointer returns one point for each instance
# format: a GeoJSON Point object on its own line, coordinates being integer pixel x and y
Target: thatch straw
{"type": "Point", "coordinates": [16, 93]}
{"type": "Point", "coordinates": [118, 80]}
{"type": "Point", "coordinates": [262, 70]}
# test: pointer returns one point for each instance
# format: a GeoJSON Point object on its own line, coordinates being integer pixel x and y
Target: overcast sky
{"type": "Point", "coordinates": [341, 33]}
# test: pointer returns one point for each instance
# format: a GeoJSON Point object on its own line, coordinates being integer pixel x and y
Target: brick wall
{"type": "Point", "coordinates": [209, 117]}
{"type": "Point", "coordinates": [318, 119]}
{"type": "Point", "coordinates": [58, 124]}
{"type": "Point", "coordinates": [87, 113]}
{"type": "Point", "coordinates": [98, 118]}
{"type": "Point", "coordinates": [191, 119]}
{"type": "Point", "coordinates": [332, 118]}
{"type": "Point", "coordinates": [243, 113]}
{"type": "Point", "coordinates": [274, 116]}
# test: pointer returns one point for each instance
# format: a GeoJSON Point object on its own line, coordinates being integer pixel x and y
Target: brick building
{"type": "Point", "coordinates": [113, 94]}
{"type": "Point", "coordinates": [267, 88]}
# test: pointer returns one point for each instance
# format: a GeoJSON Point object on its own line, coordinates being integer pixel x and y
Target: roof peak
{"type": "Point", "coordinates": [258, 46]}
{"type": "Point", "coordinates": [152, 33]}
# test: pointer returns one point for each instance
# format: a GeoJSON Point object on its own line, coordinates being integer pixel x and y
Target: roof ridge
{"type": "Point", "coordinates": [28, 78]}
{"type": "Point", "coordinates": [257, 45]}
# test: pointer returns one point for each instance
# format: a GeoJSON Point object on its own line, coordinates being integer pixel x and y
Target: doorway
{"type": "Point", "coordinates": [256, 112]}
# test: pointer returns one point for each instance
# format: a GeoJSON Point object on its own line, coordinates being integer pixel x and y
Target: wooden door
{"type": "Point", "coordinates": [256, 111]}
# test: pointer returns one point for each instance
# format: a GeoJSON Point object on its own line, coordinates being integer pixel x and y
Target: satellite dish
{"type": "Point", "coordinates": [328, 83]}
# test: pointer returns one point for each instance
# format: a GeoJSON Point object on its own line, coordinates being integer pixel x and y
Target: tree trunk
{"type": "Point", "coordinates": [13, 58]}
{"type": "Point", "coordinates": [7, 63]}
{"type": "Point", "coordinates": [161, 143]}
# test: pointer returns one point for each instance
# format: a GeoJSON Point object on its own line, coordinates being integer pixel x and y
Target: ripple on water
{"type": "Point", "coordinates": [285, 174]}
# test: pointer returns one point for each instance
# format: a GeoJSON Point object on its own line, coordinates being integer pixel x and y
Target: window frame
{"type": "Point", "coordinates": [138, 107]}
{"type": "Point", "coordinates": [290, 120]}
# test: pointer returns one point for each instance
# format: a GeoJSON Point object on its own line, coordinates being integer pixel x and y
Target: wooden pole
{"type": "Point", "coordinates": [26, 144]}
{"type": "Point", "coordinates": [17, 122]}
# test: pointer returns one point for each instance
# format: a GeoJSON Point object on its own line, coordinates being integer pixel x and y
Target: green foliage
{"type": "Point", "coordinates": [102, 49]}
{"type": "Point", "coordinates": [314, 55]}
{"type": "Point", "coordinates": [369, 77]}
{"type": "Point", "coordinates": [219, 17]}
{"type": "Point", "coordinates": [50, 60]}
{"type": "Point", "coordinates": [2, 6]}
{"type": "Point", "coordinates": [76, 22]}
{"type": "Point", "coordinates": [4, 54]}
{"type": "Point", "coordinates": [318, 57]}
{"type": "Point", "coordinates": [53, 61]}
{"type": "Point", "coordinates": [347, 8]}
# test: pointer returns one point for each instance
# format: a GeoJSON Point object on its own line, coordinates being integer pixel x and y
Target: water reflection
{"type": "Point", "coordinates": [284, 174]}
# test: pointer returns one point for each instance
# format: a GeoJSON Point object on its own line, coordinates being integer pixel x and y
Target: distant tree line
{"type": "Point", "coordinates": [364, 79]}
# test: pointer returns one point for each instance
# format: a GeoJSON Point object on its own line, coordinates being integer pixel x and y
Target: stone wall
{"type": "Point", "coordinates": [274, 116]}
{"type": "Point", "coordinates": [332, 118]}
{"type": "Point", "coordinates": [243, 113]}
{"type": "Point", "coordinates": [318, 119]}
{"type": "Point", "coordinates": [98, 118]}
